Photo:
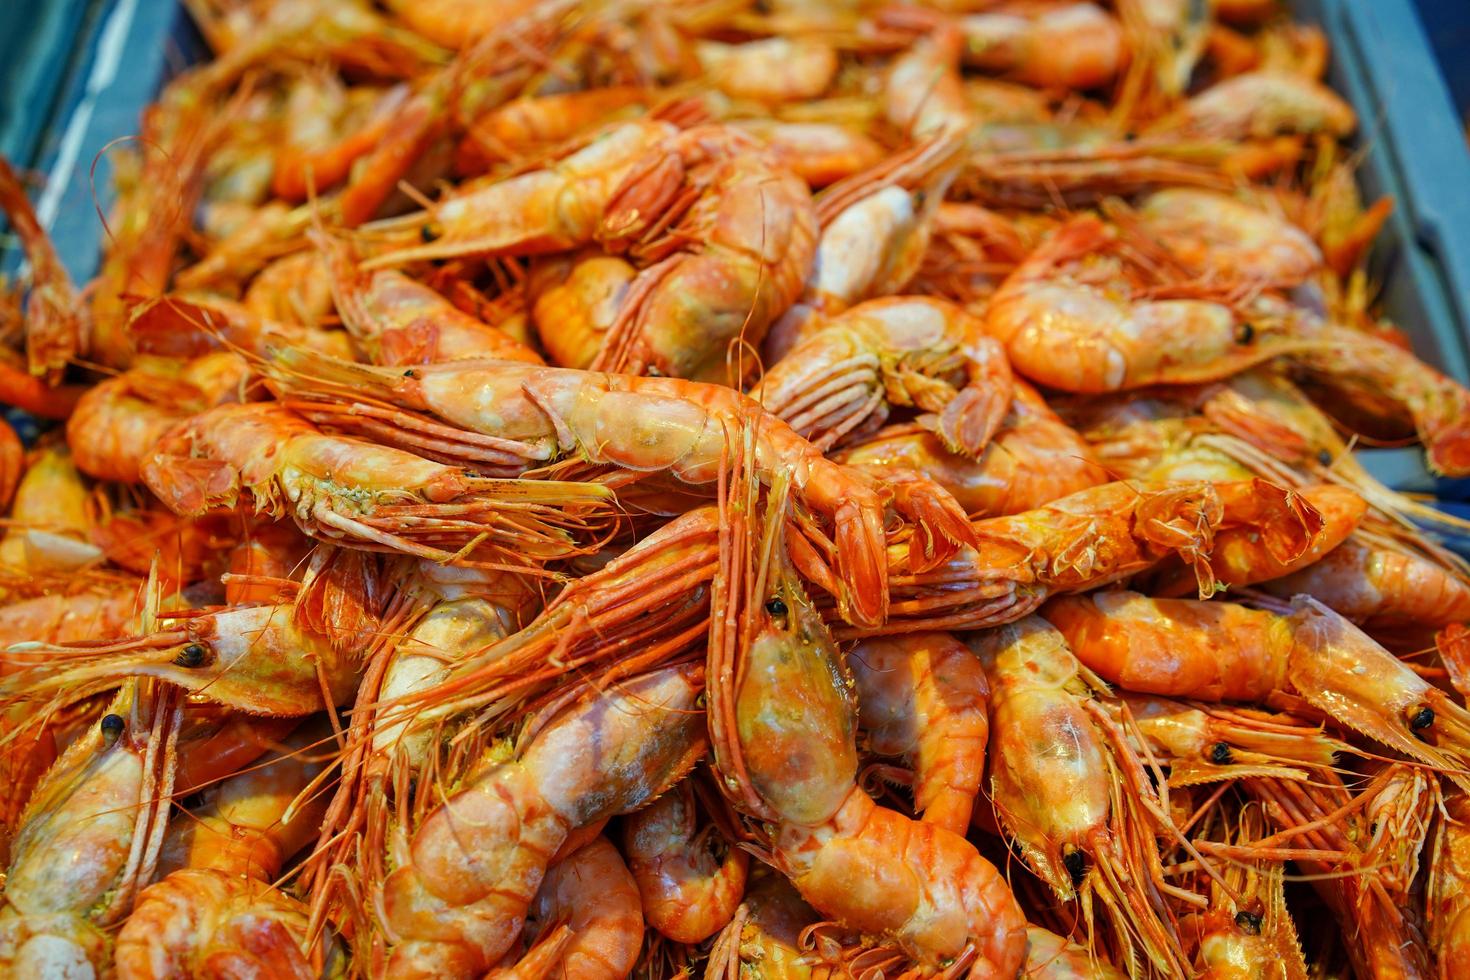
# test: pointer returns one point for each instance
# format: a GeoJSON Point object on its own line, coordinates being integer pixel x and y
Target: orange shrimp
{"type": "Point", "coordinates": [466, 876]}
{"type": "Point", "coordinates": [101, 610]}
{"type": "Point", "coordinates": [592, 893]}
{"type": "Point", "coordinates": [12, 463]}
{"type": "Point", "coordinates": [259, 567]}
{"type": "Point", "coordinates": [51, 517]}
{"type": "Point", "coordinates": [923, 95]}
{"type": "Point", "coordinates": [456, 23]}
{"type": "Point", "coordinates": [1050, 957]}
{"type": "Point", "coordinates": [328, 127]}
{"type": "Point", "coordinates": [1381, 587]}
{"type": "Point", "coordinates": [291, 289]}
{"type": "Point", "coordinates": [732, 236]}
{"type": "Point", "coordinates": [1068, 321]}
{"type": "Point", "coordinates": [533, 123]}
{"type": "Point", "coordinates": [1033, 459]}
{"type": "Point", "coordinates": [1067, 795]}
{"type": "Point", "coordinates": [400, 321]}
{"type": "Point", "coordinates": [766, 935]}
{"type": "Point", "coordinates": [118, 422]}
{"type": "Point", "coordinates": [923, 697]}
{"type": "Point", "coordinates": [215, 912]}
{"type": "Point", "coordinates": [178, 326]}
{"type": "Point", "coordinates": [899, 351]}
{"type": "Point", "coordinates": [376, 496]}
{"type": "Point", "coordinates": [523, 415]}
{"type": "Point", "coordinates": [782, 726]}
{"type": "Point", "coordinates": [691, 880]}
{"type": "Point", "coordinates": [820, 153]}
{"type": "Point", "coordinates": [55, 329]}
{"type": "Point", "coordinates": [1069, 46]}
{"type": "Point", "coordinates": [1449, 864]}
{"type": "Point", "coordinates": [575, 302]}
{"type": "Point", "coordinates": [770, 70]}
{"type": "Point", "coordinates": [23, 390]}
{"type": "Point", "coordinates": [1212, 231]}
{"type": "Point", "coordinates": [100, 806]}
{"type": "Point", "coordinates": [1262, 104]}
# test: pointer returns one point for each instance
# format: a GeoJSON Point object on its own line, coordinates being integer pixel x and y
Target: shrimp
{"type": "Point", "coordinates": [1033, 459]}
{"type": "Point", "coordinates": [1446, 904]}
{"type": "Point", "coordinates": [178, 326]}
{"type": "Point", "coordinates": [820, 153]}
{"type": "Point", "coordinates": [551, 210]}
{"type": "Point", "coordinates": [23, 390]}
{"type": "Point", "coordinates": [291, 289]}
{"type": "Point", "coordinates": [764, 940]}
{"type": "Point", "coordinates": [875, 229]}
{"type": "Point", "coordinates": [1259, 105]}
{"type": "Point", "coordinates": [1068, 46]}
{"type": "Point", "coordinates": [898, 351]}
{"type": "Point", "coordinates": [1067, 796]}
{"type": "Point", "coordinates": [88, 839]}
{"type": "Point", "coordinates": [99, 610]}
{"type": "Point", "coordinates": [118, 422]}
{"type": "Point", "coordinates": [55, 328]}
{"type": "Point", "coordinates": [1202, 743]}
{"type": "Point", "coordinates": [1063, 327]}
{"type": "Point", "coordinates": [1381, 588]}
{"type": "Point", "coordinates": [691, 881]}
{"type": "Point", "coordinates": [465, 877]}
{"type": "Point", "coordinates": [782, 725]}
{"type": "Point", "coordinates": [50, 519]}
{"type": "Point", "coordinates": [243, 247]}
{"type": "Point", "coordinates": [922, 697]}
{"type": "Point", "coordinates": [375, 496]}
{"type": "Point", "coordinates": [525, 126]}
{"type": "Point", "coordinates": [771, 70]}
{"type": "Point", "coordinates": [591, 892]}
{"type": "Point", "coordinates": [1208, 230]}
{"type": "Point", "coordinates": [922, 94]}
{"type": "Point", "coordinates": [328, 128]}
{"type": "Point", "coordinates": [400, 321]}
{"type": "Point", "coordinates": [574, 307]}
{"type": "Point", "coordinates": [1051, 957]}
{"type": "Point", "coordinates": [12, 463]}
{"type": "Point", "coordinates": [522, 415]}
{"type": "Point", "coordinates": [457, 23]}
{"type": "Point", "coordinates": [214, 911]}
{"type": "Point", "coordinates": [732, 236]}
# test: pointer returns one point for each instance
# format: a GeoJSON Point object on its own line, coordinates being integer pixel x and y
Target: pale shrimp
{"type": "Point", "coordinates": [782, 726]}
{"type": "Point", "coordinates": [179, 326]}
{"type": "Point", "coordinates": [1446, 902]}
{"type": "Point", "coordinates": [1067, 794]}
{"type": "Point", "coordinates": [1206, 743]}
{"type": "Point", "coordinates": [1069, 320]}
{"type": "Point", "coordinates": [1221, 234]}
{"type": "Point", "coordinates": [118, 422]}
{"type": "Point", "coordinates": [51, 517]}
{"type": "Point", "coordinates": [820, 153]}
{"type": "Point", "coordinates": [215, 912]}
{"type": "Point", "coordinates": [592, 893]}
{"type": "Point", "coordinates": [264, 456]}
{"type": "Point", "coordinates": [1262, 104]}
{"type": "Point", "coordinates": [397, 320]}
{"type": "Point", "coordinates": [732, 236]}
{"type": "Point", "coordinates": [875, 229]}
{"type": "Point", "coordinates": [55, 329]}
{"type": "Point", "coordinates": [465, 877]}
{"type": "Point", "coordinates": [550, 210]}
{"type": "Point", "coordinates": [531, 124]}
{"type": "Point", "coordinates": [770, 70]}
{"type": "Point", "coordinates": [922, 94]}
{"type": "Point", "coordinates": [922, 697]}
{"type": "Point", "coordinates": [291, 289]}
{"type": "Point", "coordinates": [847, 371]}
{"type": "Point", "coordinates": [1068, 46]}
{"type": "Point", "coordinates": [691, 879]}
{"type": "Point", "coordinates": [1033, 459]}
{"type": "Point", "coordinates": [87, 840]}
{"type": "Point", "coordinates": [1052, 957]}
{"type": "Point", "coordinates": [575, 301]}
{"type": "Point", "coordinates": [522, 416]}
{"type": "Point", "coordinates": [1381, 587]}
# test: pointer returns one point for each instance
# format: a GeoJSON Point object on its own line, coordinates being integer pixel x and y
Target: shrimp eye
{"type": "Point", "coordinates": [775, 606]}
{"type": "Point", "coordinates": [429, 231]}
{"type": "Point", "coordinates": [1220, 753]}
{"type": "Point", "coordinates": [1245, 333]}
{"type": "Point", "coordinates": [1076, 864]}
{"type": "Point", "coordinates": [1249, 921]}
{"type": "Point", "coordinates": [1324, 457]}
{"type": "Point", "coordinates": [1421, 718]}
{"type": "Point", "coordinates": [919, 197]}
{"type": "Point", "coordinates": [112, 728]}
{"type": "Point", "coordinates": [192, 655]}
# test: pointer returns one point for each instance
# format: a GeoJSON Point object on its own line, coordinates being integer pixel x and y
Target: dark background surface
{"type": "Point", "coordinates": [1447, 22]}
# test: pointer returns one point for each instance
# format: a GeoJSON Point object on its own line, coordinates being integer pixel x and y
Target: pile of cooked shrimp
{"type": "Point", "coordinates": [734, 489]}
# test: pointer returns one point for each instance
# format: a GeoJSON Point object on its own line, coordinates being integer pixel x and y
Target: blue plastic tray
{"type": "Point", "coordinates": [84, 70]}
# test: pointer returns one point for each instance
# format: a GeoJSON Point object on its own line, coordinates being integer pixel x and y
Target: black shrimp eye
{"type": "Point", "coordinates": [192, 655]}
{"type": "Point", "coordinates": [1324, 457]}
{"type": "Point", "coordinates": [1249, 921]}
{"type": "Point", "coordinates": [1245, 333]}
{"type": "Point", "coordinates": [1220, 753]}
{"type": "Point", "coordinates": [1421, 717]}
{"type": "Point", "coordinates": [112, 728]}
{"type": "Point", "coordinates": [1076, 864]}
{"type": "Point", "coordinates": [775, 606]}
{"type": "Point", "coordinates": [429, 231]}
